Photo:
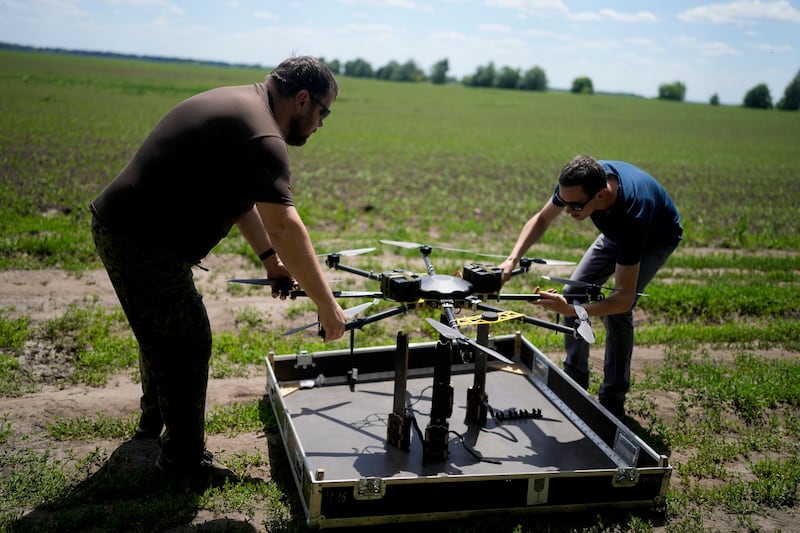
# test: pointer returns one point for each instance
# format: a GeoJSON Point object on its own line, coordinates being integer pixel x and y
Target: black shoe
{"type": "Point", "coordinates": [146, 433]}
{"type": "Point", "coordinates": [208, 472]}
{"type": "Point", "coordinates": [148, 428]}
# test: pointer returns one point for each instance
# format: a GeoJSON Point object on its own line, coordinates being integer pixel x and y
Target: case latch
{"type": "Point", "coordinates": [625, 477]}
{"type": "Point", "coordinates": [304, 360]}
{"type": "Point", "coordinates": [370, 488]}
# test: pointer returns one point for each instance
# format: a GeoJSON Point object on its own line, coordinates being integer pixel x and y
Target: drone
{"type": "Point", "coordinates": [471, 288]}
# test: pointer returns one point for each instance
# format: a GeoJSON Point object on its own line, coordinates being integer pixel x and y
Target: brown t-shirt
{"type": "Point", "coordinates": [201, 168]}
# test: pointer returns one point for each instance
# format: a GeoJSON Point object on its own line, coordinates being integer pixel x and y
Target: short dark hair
{"type": "Point", "coordinates": [305, 72]}
{"type": "Point", "coordinates": [585, 171]}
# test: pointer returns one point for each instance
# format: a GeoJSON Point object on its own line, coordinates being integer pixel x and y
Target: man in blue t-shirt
{"type": "Point", "coordinates": [640, 228]}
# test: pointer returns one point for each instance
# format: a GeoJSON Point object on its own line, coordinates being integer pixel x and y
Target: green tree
{"type": "Point", "coordinates": [672, 91]}
{"type": "Point", "coordinates": [582, 85]}
{"type": "Point", "coordinates": [791, 96]}
{"type": "Point", "coordinates": [758, 97]}
{"type": "Point", "coordinates": [439, 72]}
{"type": "Point", "coordinates": [394, 71]}
{"type": "Point", "coordinates": [483, 77]}
{"type": "Point", "coordinates": [334, 65]}
{"type": "Point", "coordinates": [507, 78]}
{"type": "Point", "coordinates": [714, 99]}
{"type": "Point", "coordinates": [534, 79]}
{"type": "Point", "coordinates": [358, 68]}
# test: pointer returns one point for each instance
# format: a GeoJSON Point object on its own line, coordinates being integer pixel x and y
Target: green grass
{"type": "Point", "coordinates": [460, 167]}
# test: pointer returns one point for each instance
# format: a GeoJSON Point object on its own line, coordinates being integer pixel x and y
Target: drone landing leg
{"type": "Point", "coordinates": [441, 403]}
{"type": "Point", "coordinates": [352, 374]}
{"type": "Point", "coordinates": [398, 432]}
{"type": "Point", "coordinates": [477, 399]}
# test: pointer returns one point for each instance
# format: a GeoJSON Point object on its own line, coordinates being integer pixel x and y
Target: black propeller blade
{"type": "Point", "coordinates": [255, 281]}
{"type": "Point", "coordinates": [584, 284]}
{"type": "Point", "coordinates": [348, 313]}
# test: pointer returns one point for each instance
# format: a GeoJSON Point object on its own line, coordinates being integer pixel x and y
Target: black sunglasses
{"type": "Point", "coordinates": [325, 109]}
{"type": "Point", "coordinates": [576, 206]}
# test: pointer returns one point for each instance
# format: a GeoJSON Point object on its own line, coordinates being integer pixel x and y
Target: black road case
{"type": "Point", "coordinates": [513, 438]}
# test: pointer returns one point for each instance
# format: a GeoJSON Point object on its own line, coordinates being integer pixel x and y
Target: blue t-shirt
{"type": "Point", "coordinates": [643, 215]}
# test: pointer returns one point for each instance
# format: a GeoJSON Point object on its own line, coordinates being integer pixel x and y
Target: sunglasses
{"type": "Point", "coordinates": [576, 206]}
{"type": "Point", "coordinates": [325, 109]}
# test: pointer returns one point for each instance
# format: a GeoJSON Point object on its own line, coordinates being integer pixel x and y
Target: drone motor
{"type": "Point", "coordinates": [484, 279]}
{"type": "Point", "coordinates": [401, 285]}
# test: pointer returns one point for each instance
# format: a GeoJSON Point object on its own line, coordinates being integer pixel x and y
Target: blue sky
{"type": "Point", "coordinates": [725, 46]}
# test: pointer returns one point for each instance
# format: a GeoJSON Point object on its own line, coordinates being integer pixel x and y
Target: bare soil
{"type": "Point", "coordinates": [43, 294]}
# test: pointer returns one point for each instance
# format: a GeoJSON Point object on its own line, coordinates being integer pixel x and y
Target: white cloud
{"type": "Point", "coordinates": [585, 16]}
{"type": "Point", "coordinates": [742, 12]}
{"type": "Point", "coordinates": [265, 15]}
{"type": "Point", "coordinates": [405, 4]}
{"type": "Point", "coordinates": [547, 34]}
{"type": "Point", "coordinates": [638, 17]}
{"type": "Point", "coordinates": [709, 49]}
{"type": "Point", "coordinates": [772, 49]}
{"type": "Point", "coordinates": [540, 8]}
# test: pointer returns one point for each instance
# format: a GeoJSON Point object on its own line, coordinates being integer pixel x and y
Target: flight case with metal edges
{"type": "Point", "coordinates": [517, 438]}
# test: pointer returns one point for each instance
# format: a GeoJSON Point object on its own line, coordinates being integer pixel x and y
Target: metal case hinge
{"type": "Point", "coordinates": [370, 488]}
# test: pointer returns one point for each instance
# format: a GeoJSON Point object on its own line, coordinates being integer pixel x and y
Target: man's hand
{"type": "Point", "coordinates": [552, 300]}
{"type": "Point", "coordinates": [286, 284]}
{"type": "Point", "coordinates": [506, 266]}
{"type": "Point", "coordinates": [332, 321]}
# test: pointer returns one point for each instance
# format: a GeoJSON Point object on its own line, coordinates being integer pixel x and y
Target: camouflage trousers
{"type": "Point", "coordinates": [170, 322]}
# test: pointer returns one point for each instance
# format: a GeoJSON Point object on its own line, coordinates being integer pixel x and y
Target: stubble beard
{"type": "Point", "coordinates": [294, 137]}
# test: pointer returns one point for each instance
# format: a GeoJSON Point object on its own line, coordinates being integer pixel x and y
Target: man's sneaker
{"type": "Point", "coordinates": [208, 472]}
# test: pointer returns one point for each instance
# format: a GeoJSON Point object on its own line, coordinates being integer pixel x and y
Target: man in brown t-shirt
{"type": "Point", "coordinates": [217, 159]}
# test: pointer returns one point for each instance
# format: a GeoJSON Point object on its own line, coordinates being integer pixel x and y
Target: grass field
{"type": "Point", "coordinates": [452, 166]}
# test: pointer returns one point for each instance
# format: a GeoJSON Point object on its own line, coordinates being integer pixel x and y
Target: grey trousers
{"type": "Point", "coordinates": [597, 266]}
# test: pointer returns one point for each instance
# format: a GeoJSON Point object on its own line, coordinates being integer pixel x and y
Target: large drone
{"type": "Point", "coordinates": [471, 288]}
{"type": "Point", "coordinates": [475, 285]}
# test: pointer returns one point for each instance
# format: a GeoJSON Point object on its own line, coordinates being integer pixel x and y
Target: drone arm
{"type": "Point", "coordinates": [353, 270]}
{"type": "Point", "coordinates": [517, 297]}
{"type": "Point", "coordinates": [358, 323]}
{"type": "Point", "coordinates": [534, 321]}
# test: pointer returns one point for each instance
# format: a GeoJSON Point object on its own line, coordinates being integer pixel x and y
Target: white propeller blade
{"type": "Point", "coordinates": [584, 324]}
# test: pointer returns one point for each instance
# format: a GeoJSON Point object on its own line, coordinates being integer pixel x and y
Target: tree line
{"type": "Point", "coordinates": [535, 79]}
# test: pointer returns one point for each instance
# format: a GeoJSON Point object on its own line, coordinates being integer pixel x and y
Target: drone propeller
{"type": "Point", "coordinates": [404, 244]}
{"type": "Point", "coordinates": [584, 325]}
{"type": "Point", "coordinates": [539, 260]}
{"type": "Point", "coordinates": [348, 253]}
{"type": "Point", "coordinates": [454, 334]}
{"type": "Point", "coordinates": [256, 281]}
{"type": "Point", "coordinates": [348, 313]}
{"type": "Point", "coordinates": [584, 284]}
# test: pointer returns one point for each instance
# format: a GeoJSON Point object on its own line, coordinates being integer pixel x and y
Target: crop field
{"type": "Point", "coordinates": [716, 383]}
